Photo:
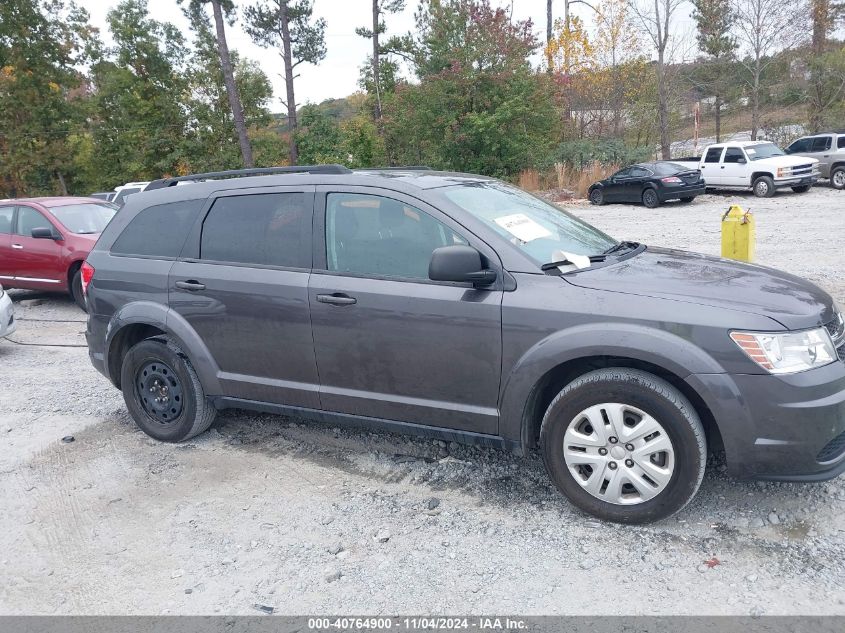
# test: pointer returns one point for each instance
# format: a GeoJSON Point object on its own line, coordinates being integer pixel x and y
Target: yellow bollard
{"type": "Point", "coordinates": [738, 234]}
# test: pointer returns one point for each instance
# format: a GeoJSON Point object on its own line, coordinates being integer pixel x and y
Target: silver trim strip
{"type": "Point", "coordinates": [44, 281]}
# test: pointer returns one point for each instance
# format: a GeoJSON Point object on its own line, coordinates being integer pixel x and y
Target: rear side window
{"type": "Point", "coordinates": [158, 231]}
{"type": "Point", "coordinates": [268, 229]}
{"type": "Point", "coordinates": [840, 142]}
{"type": "Point", "coordinates": [6, 220]}
{"type": "Point", "coordinates": [713, 155]}
{"type": "Point", "coordinates": [821, 144]}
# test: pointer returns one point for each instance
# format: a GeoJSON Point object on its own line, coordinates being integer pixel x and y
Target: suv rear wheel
{"type": "Point", "coordinates": [76, 290]}
{"type": "Point", "coordinates": [163, 393]}
{"type": "Point", "coordinates": [837, 178]}
{"type": "Point", "coordinates": [624, 445]}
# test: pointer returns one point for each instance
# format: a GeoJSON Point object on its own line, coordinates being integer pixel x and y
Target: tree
{"type": "Point", "coordinates": [478, 105]}
{"type": "Point", "coordinates": [823, 91]}
{"type": "Point", "coordinates": [275, 23]}
{"type": "Point", "coordinates": [655, 18]}
{"type": "Point", "coordinates": [41, 44]}
{"type": "Point", "coordinates": [549, 27]}
{"type": "Point", "coordinates": [139, 119]}
{"type": "Point", "coordinates": [195, 11]}
{"type": "Point", "coordinates": [761, 26]}
{"type": "Point", "coordinates": [714, 21]}
{"type": "Point", "coordinates": [393, 45]}
{"type": "Point", "coordinates": [211, 141]}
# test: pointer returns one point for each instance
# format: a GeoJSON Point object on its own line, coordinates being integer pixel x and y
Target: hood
{"type": "Point", "coordinates": [712, 281]}
{"type": "Point", "coordinates": [786, 161]}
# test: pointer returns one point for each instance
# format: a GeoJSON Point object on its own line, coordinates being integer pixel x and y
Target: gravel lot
{"type": "Point", "coordinates": [305, 518]}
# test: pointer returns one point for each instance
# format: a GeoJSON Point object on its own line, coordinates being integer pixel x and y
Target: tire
{"type": "Point", "coordinates": [801, 189]}
{"type": "Point", "coordinates": [76, 291]}
{"type": "Point", "coordinates": [184, 412]}
{"type": "Point", "coordinates": [597, 197]}
{"type": "Point", "coordinates": [642, 398]}
{"type": "Point", "coordinates": [837, 178]}
{"type": "Point", "coordinates": [650, 198]}
{"type": "Point", "coordinates": [764, 187]}
{"type": "Point", "coordinates": [688, 199]}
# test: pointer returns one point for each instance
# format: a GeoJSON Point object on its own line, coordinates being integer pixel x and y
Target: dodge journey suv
{"type": "Point", "coordinates": [459, 307]}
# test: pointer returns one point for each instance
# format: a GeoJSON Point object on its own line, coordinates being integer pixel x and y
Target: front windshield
{"type": "Point", "coordinates": [763, 150]}
{"type": "Point", "coordinates": [541, 230]}
{"type": "Point", "coordinates": [85, 218]}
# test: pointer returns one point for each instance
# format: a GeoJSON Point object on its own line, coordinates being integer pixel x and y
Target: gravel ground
{"type": "Point", "coordinates": [306, 518]}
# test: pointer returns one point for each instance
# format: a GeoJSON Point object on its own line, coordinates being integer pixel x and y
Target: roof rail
{"type": "Point", "coordinates": [405, 168]}
{"type": "Point", "coordinates": [256, 171]}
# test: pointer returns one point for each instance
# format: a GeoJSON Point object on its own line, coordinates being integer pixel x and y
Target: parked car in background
{"type": "Point", "coordinates": [43, 241]}
{"type": "Point", "coordinates": [128, 189]}
{"type": "Point", "coordinates": [760, 166]}
{"type": "Point", "coordinates": [108, 196]}
{"type": "Point", "coordinates": [650, 184]}
{"type": "Point", "coordinates": [829, 150]}
{"type": "Point", "coordinates": [460, 307]}
{"type": "Point", "coordinates": [7, 314]}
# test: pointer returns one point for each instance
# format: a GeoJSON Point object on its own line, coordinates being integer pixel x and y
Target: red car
{"type": "Point", "coordinates": [43, 241]}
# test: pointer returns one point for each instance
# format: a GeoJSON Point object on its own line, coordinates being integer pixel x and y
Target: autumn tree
{"type": "Point", "coordinates": [657, 22]}
{"type": "Point", "coordinates": [288, 26]}
{"type": "Point", "coordinates": [714, 23]}
{"type": "Point", "coordinates": [761, 27]}
{"type": "Point", "coordinates": [41, 45]}
{"type": "Point", "coordinates": [478, 105]}
{"type": "Point", "coordinates": [825, 81]}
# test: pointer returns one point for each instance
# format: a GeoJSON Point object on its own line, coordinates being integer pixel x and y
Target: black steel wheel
{"type": "Point", "coordinates": [159, 391]}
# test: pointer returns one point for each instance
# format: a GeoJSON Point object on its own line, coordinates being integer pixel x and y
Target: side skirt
{"type": "Point", "coordinates": [363, 422]}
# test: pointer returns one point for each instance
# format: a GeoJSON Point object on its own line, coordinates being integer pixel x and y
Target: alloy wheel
{"type": "Point", "coordinates": [839, 179]}
{"type": "Point", "coordinates": [619, 453]}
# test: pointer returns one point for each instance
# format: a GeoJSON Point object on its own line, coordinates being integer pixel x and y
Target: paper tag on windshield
{"type": "Point", "coordinates": [578, 261]}
{"type": "Point", "coordinates": [522, 227]}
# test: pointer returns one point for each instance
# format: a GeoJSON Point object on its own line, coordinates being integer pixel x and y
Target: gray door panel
{"type": "Point", "coordinates": [415, 352]}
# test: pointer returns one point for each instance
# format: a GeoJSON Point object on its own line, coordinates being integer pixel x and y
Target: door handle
{"type": "Point", "coordinates": [17, 247]}
{"type": "Point", "coordinates": [723, 166]}
{"type": "Point", "coordinates": [337, 299]}
{"type": "Point", "coordinates": [191, 285]}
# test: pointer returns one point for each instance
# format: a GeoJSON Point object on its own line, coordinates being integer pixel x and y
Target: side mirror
{"type": "Point", "coordinates": [45, 233]}
{"type": "Point", "coordinates": [741, 161]}
{"type": "Point", "coordinates": [459, 263]}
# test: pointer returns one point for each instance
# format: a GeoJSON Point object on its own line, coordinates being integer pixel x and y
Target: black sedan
{"type": "Point", "coordinates": [649, 183]}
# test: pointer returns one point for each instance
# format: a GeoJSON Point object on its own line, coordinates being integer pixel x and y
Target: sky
{"type": "Point", "coordinates": [337, 75]}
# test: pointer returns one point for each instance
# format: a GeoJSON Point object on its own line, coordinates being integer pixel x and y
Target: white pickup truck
{"type": "Point", "coordinates": [760, 166]}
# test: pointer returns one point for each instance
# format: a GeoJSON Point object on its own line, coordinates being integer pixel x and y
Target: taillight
{"type": "Point", "coordinates": [87, 275]}
{"type": "Point", "coordinates": [671, 179]}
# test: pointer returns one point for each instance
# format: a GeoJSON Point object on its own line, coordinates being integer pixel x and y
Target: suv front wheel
{"type": "Point", "coordinates": [163, 393]}
{"type": "Point", "coordinates": [624, 445]}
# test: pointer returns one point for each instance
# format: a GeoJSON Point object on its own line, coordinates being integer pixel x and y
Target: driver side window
{"type": "Point", "coordinates": [381, 237]}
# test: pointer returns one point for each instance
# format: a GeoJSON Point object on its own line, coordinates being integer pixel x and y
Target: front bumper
{"type": "Point", "coordinates": [797, 182]}
{"type": "Point", "coordinates": [784, 428]}
{"type": "Point", "coordinates": [7, 316]}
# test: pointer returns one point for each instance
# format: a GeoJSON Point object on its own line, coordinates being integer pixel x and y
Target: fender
{"type": "Point", "coordinates": [175, 326]}
{"type": "Point", "coordinates": [658, 347]}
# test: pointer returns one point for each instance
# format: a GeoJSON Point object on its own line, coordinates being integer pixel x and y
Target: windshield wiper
{"type": "Point", "coordinates": [564, 262]}
{"type": "Point", "coordinates": [621, 246]}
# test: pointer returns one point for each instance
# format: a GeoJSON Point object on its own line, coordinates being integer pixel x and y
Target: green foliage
{"type": "Point", "coordinates": [354, 142]}
{"type": "Point", "coordinates": [211, 142]}
{"type": "Point", "coordinates": [41, 43]}
{"type": "Point", "coordinates": [267, 21]}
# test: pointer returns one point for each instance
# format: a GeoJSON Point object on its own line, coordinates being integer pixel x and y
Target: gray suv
{"type": "Point", "coordinates": [829, 150]}
{"type": "Point", "coordinates": [459, 307]}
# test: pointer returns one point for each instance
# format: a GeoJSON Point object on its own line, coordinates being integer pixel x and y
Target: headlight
{"type": "Point", "coordinates": [787, 352]}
